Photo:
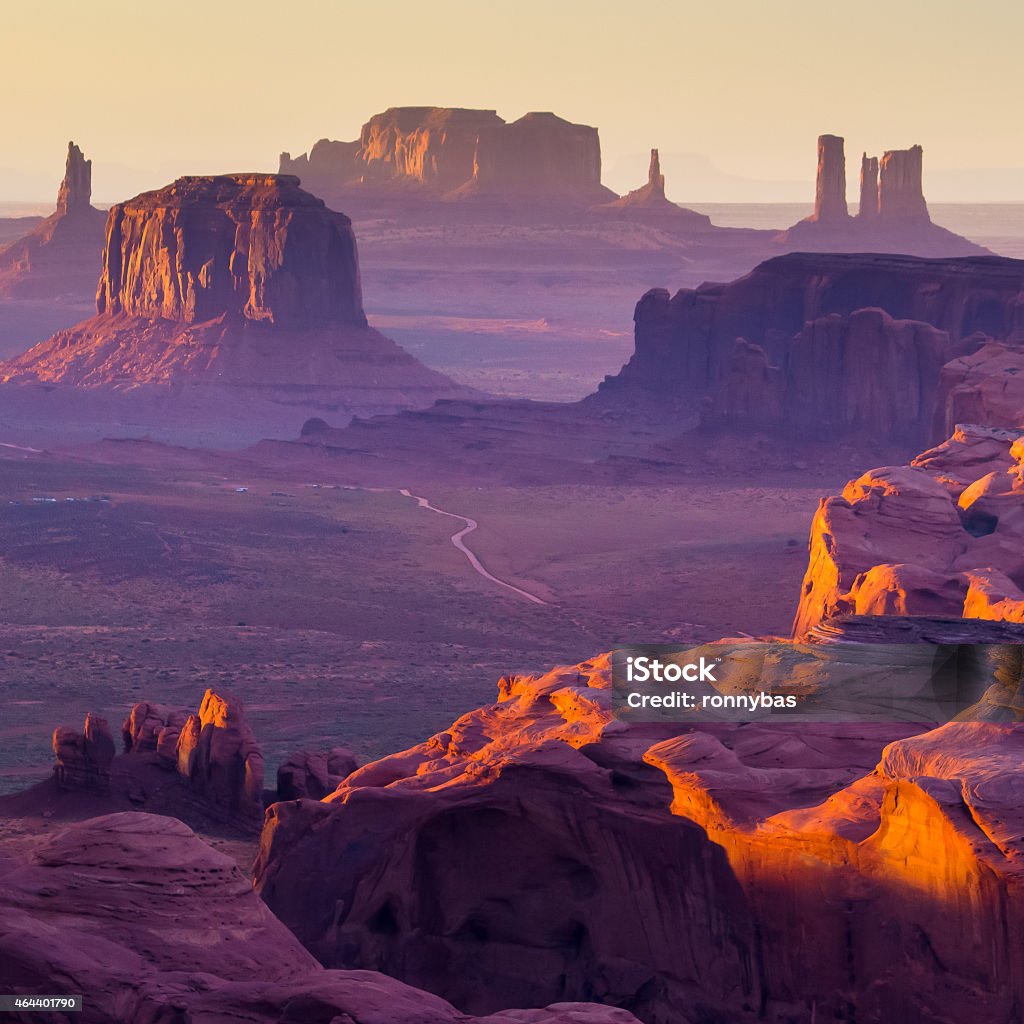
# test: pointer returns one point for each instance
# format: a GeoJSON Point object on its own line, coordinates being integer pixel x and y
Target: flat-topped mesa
{"type": "Point", "coordinates": [254, 246]}
{"type": "Point", "coordinates": [900, 194]}
{"type": "Point", "coordinates": [538, 153]}
{"type": "Point", "coordinates": [868, 209]}
{"type": "Point", "coordinates": [830, 185]}
{"type": "Point", "coordinates": [444, 151]}
{"type": "Point", "coordinates": [75, 192]}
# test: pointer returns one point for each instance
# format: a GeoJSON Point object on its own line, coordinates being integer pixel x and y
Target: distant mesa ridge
{"type": "Point", "coordinates": [459, 152]}
{"type": "Point", "coordinates": [887, 346]}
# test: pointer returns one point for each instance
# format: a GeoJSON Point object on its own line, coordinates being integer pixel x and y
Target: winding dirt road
{"type": "Point", "coordinates": [457, 540]}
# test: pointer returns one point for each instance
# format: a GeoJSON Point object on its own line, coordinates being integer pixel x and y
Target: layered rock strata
{"type": "Point", "coordinates": [843, 343]}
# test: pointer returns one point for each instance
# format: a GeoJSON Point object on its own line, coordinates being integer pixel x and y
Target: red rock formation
{"type": "Point", "coordinates": [983, 386]}
{"type": "Point", "coordinates": [939, 537]}
{"type": "Point", "coordinates": [255, 247]}
{"type": "Point", "coordinates": [868, 207]}
{"type": "Point", "coordinates": [440, 151]}
{"type": "Point", "coordinates": [59, 258]}
{"type": "Point", "coordinates": [83, 759]}
{"type": "Point", "coordinates": [860, 851]}
{"type": "Point", "coordinates": [805, 312]}
{"type": "Point", "coordinates": [863, 374]}
{"type": "Point", "coordinates": [650, 204]}
{"type": "Point", "coordinates": [238, 282]}
{"type": "Point", "coordinates": [75, 192]}
{"type": "Point", "coordinates": [156, 927]}
{"type": "Point", "coordinates": [218, 754]}
{"type": "Point", "coordinates": [311, 775]}
{"type": "Point", "coordinates": [893, 215]}
{"type": "Point", "coordinates": [900, 195]}
{"type": "Point", "coordinates": [830, 183]}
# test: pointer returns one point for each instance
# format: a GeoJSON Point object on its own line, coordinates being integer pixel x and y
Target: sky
{"type": "Point", "coordinates": [734, 94]}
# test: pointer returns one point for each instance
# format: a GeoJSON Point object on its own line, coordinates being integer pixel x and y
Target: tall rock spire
{"type": "Point", "coordinates": [75, 190]}
{"type": "Point", "coordinates": [830, 189]}
{"type": "Point", "coordinates": [868, 188]}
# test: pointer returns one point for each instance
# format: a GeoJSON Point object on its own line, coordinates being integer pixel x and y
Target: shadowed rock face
{"type": "Point", "coordinates": [253, 246]}
{"type": "Point", "coordinates": [868, 208]}
{"type": "Point", "coordinates": [942, 536]}
{"type": "Point", "coordinates": [156, 927]}
{"type": "Point", "coordinates": [900, 195]}
{"type": "Point", "coordinates": [830, 183]}
{"type": "Point", "coordinates": [853, 871]}
{"type": "Point", "coordinates": [806, 314]}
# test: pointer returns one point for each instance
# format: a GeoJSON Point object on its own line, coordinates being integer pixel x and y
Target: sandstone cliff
{"type": "Point", "coordinates": [238, 283]}
{"type": "Point", "coordinates": [60, 257]}
{"type": "Point", "coordinates": [450, 151]}
{"type": "Point", "coordinates": [837, 343]}
{"type": "Point", "coordinates": [774, 871]}
{"type": "Point", "coordinates": [942, 536]}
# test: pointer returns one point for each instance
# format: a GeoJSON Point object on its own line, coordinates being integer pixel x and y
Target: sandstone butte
{"type": "Point", "coordinates": [60, 257]}
{"type": "Point", "coordinates": [242, 283]}
{"type": "Point", "coordinates": [459, 153]}
{"type": "Point", "coordinates": [892, 214]}
{"type": "Point", "coordinates": [895, 348]}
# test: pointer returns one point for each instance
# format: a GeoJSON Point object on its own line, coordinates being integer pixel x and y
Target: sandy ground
{"type": "Point", "coordinates": [345, 616]}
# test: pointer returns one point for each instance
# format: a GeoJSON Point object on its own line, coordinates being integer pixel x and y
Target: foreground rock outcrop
{"type": "Point", "coordinates": [770, 871]}
{"type": "Point", "coordinates": [153, 926]}
{"type": "Point", "coordinates": [244, 284]}
{"type": "Point", "coordinates": [943, 536]}
{"type": "Point", "coordinates": [834, 344]}
{"type": "Point", "coordinates": [450, 151]}
{"type": "Point", "coordinates": [60, 257]}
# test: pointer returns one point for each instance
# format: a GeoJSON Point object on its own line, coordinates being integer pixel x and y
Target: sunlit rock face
{"type": "Point", "coordinates": [942, 536]}
{"type": "Point", "coordinates": [769, 871]}
{"type": "Point", "coordinates": [445, 151]}
{"type": "Point", "coordinates": [156, 927]}
{"type": "Point", "coordinates": [838, 344]}
{"type": "Point", "coordinates": [258, 247]}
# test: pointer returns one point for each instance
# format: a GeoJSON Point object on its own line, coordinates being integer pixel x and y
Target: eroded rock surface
{"type": "Point", "coordinates": [853, 871]}
{"type": "Point", "coordinates": [942, 536]}
{"type": "Point", "coordinates": [156, 927]}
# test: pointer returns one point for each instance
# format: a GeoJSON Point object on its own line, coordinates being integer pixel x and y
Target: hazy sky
{"type": "Point", "coordinates": [153, 90]}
